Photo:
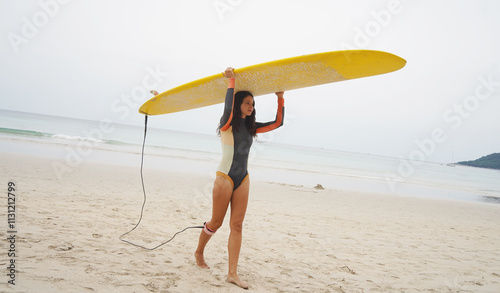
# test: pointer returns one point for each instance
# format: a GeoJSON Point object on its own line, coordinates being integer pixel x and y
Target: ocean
{"type": "Point", "coordinates": [75, 141]}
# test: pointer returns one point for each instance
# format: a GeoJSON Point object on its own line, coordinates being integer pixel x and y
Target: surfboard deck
{"type": "Point", "coordinates": [280, 75]}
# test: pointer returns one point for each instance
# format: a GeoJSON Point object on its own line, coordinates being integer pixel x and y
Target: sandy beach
{"type": "Point", "coordinates": [296, 239]}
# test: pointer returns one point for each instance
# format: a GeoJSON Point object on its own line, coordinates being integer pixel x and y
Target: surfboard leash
{"type": "Point", "coordinates": [144, 201]}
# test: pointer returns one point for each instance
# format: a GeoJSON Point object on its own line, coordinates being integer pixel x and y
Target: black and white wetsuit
{"type": "Point", "coordinates": [236, 144]}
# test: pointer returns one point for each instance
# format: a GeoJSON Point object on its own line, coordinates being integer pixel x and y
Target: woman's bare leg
{"type": "Point", "coordinates": [239, 203]}
{"type": "Point", "coordinates": [199, 253]}
{"type": "Point", "coordinates": [221, 195]}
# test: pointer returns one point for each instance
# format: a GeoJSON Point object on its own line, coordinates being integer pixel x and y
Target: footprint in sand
{"type": "Point", "coordinates": [63, 247]}
{"type": "Point", "coordinates": [152, 286]}
{"type": "Point", "coordinates": [347, 270]}
{"type": "Point", "coordinates": [88, 269]}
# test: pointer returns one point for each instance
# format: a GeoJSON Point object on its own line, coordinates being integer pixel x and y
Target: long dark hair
{"type": "Point", "coordinates": [249, 120]}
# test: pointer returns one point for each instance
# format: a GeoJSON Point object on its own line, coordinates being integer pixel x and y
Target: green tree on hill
{"type": "Point", "coordinates": [490, 161]}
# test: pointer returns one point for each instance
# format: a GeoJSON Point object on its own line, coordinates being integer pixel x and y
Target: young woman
{"type": "Point", "coordinates": [237, 128]}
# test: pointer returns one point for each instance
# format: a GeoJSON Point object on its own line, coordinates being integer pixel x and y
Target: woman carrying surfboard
{"type": "Point", "coordinates": [231, 187]}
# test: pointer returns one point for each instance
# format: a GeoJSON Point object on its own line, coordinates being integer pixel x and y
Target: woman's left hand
{"type": "Point", "coordinates": [229, 73]}
{"type": "Point", "coordinates": [280, 94]}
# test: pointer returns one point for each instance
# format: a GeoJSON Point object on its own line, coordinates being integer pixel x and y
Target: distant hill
{"type": "Point", "coordinates": [490, 161]}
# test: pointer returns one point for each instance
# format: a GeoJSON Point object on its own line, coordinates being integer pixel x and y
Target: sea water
{"type": "Point", "coordinates": [73, 141]}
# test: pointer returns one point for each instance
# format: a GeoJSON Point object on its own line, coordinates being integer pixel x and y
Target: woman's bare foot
{"type": "Point", "coordinates": [236, 280]}
{"type": "Point", "coordinates": [200, 260]}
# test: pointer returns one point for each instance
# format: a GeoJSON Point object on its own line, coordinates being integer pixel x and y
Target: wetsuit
{"type": "Point", "coordinates": [236, 144]}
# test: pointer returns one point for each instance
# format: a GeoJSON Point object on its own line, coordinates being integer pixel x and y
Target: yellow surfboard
{"type": "Point", "coordinates": [281, 75]}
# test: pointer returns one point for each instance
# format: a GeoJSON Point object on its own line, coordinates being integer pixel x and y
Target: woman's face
{"type": "Point", "coordinates": [247, 107]}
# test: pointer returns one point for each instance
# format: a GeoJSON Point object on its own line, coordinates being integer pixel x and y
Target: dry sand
{"type": "Point", "coordinates": [296, 239]}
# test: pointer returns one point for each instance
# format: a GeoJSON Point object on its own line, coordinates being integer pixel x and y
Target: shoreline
{"type": "Point", "coordinates": [70, 154]}
{"type": "Point", "coordinates": [296, 238]}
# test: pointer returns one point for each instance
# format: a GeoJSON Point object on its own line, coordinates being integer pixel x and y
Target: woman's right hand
{"type": "Point", "coordinates": [229, 73]}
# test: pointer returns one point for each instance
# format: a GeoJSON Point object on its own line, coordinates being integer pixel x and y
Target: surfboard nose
{"type": "Point", "coordinates": [362, 63]}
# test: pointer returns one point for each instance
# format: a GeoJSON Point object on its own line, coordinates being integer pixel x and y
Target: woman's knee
{"type": "Point", "coordinates": [236, 226]}
{"type": "Point", "coordinates": [214, 224]}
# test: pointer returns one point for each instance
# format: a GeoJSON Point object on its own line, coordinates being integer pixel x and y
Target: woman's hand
{"type": "Point", "coordinates": [280, 95]}
{"type": "Point", "coordinates": [229, 73]}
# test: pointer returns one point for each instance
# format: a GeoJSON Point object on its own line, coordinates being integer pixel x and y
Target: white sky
{"type": "Point", "coordinates": [80, 58]}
